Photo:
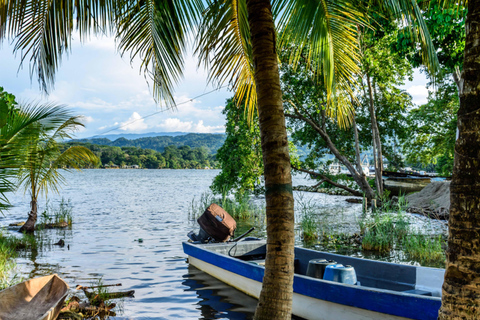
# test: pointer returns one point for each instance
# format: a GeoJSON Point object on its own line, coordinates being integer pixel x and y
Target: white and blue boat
{"type": "Point", "coordinates": [375, 290]}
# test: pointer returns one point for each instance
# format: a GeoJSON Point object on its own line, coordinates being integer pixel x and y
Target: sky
{"type": "Point", "coordinates": [113, 96]}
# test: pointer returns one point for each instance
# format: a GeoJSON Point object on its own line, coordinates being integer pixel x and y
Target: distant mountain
{"type": "Point", "coordinates": [194, 140]}
{"type": "Point", "coordinates": [133, 136]}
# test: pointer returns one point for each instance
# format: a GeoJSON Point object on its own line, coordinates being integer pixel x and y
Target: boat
{"type": "Point", "coordinates": [373, 290]}
{"type": "Point", "coordinates": [35, 299]}
{"type": "Point", "coordinates": [404, 185]}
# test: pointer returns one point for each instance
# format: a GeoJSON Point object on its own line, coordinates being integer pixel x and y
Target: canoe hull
{"type": "Point", "coordinates": [36, 299]}
{"type": "Point", "coordinates": [320, 299]}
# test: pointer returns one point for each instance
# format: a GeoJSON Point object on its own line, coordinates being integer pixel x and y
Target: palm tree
{"type": "Point", "coordinates": [16, 133]}
{"type": "Point", "coordinates": [43, 157]}
{"type": "Point", "coordinates": [245, 47]}
{"type": "Point", "coordinates": [460, 294]}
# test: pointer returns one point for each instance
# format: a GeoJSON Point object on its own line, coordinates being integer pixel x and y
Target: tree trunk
{"type": "Point", "coordinates": [276, 296]}
{"type": "Point", "coordinates": [461, 288]}
{"type": "Point", "coordinates": [29, 226]}
{"type": "Point", "coordinates": [377, 144]}
{"type": "Point", "coordinates": [359, 177]}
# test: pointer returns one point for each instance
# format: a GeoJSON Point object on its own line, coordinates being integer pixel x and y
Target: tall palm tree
{"type": "Point", "coordinates": [43, 157]}
{"type": "Point", "coordinates": [461, 293]}
{"type": "Point", "coordinates": [155, 31]}
{"type": "Point", "coordinates": [16, 133]}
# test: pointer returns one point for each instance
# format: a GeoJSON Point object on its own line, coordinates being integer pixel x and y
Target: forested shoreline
{"type": "Point", "coordinates": [172, 157]}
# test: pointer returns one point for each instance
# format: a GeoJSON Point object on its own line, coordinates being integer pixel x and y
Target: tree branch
{"type": "Point", "coordinates": [333, 183]}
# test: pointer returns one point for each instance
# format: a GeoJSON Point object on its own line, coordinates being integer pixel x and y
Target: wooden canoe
{"type": "Point", "coordinates": [35, 299]}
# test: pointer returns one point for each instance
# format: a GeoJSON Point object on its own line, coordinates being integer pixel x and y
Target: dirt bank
{"type": "Point", "coordinates": [432, 201]}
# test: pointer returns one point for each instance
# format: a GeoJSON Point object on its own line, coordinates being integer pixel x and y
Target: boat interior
{"type": "Point", "coordinates": [369, 273]}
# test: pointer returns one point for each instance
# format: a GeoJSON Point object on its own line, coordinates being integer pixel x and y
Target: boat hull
{"type": "Point", "coordinates": [319, 299]}
{"type": "Point", "coordinates": [35, 299]}
{"type": "Point", "coordinates": [401, 186]}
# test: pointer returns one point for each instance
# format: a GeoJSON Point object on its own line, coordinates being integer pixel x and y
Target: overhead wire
{"type": "Point", "coordinates": [163, 110]}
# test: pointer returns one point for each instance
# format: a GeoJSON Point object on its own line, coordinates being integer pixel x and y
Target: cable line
{"type": "Point", "coordinates": [151, 115]}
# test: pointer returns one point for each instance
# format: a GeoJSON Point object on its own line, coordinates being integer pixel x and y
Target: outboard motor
{"type": "Point", "coordinates": [215, 225]}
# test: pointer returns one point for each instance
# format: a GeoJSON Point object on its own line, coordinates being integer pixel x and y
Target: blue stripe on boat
{"type": "Point", "coordinates": [383, 301]}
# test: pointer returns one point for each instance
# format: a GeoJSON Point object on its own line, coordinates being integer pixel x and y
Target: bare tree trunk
{"type": "Point", "coordinates": [357, 149]}
{"type": "Point", "coordinates": [461, 288]}
{"type": "Point", "coordinates": [359, 178]}
{"type": "Point", "coordinates": [29, 226]}
{"type": "Point", "coordinates": [275, 300]}
{"type": "Point", "coordinates": [377, 144]}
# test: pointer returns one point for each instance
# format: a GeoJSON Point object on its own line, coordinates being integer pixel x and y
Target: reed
{"type": "Point", "coordinates": [240, 208]}
{"type": "Point", "coordinates": [60, 216]}
{"type": "Point", "coordinates": [9, 248]}
{"type": "Point", "coordinates": [424, 248]}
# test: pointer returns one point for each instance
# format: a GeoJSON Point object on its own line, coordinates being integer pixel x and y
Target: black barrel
{"type": "Point", "coordinates": [316, 267]}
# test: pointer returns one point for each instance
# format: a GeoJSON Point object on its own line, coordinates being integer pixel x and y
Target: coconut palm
{"type": "Point", "coordinates": [43, 157]}
{"type": "Point", "coordinates": [245, 47]}
{"type": "Point", "coordinates": [460, 294]}
{"type": "Point", "coordinates": [16, 133]}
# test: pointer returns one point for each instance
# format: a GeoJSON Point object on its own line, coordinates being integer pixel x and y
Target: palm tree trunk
{"type": "Point", "coordinates": [29, 226]}
{"type": "Point", "coordinates": [461, 288]}
{"type": "Point", "coordinates": [275, 300]}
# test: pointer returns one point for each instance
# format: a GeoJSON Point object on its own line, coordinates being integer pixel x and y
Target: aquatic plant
{"type": "Point", "coordinates": [382, 231]}
{"type": "Point", "coordinates": [60, 216]}
{"type": "Point", "coordinates": [9, 248]}
{"type": "Point", "coordinates": [240, 208]}
{"type": "Point", "coordinates": [424, 248]}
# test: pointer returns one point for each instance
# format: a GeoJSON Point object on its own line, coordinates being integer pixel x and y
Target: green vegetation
{"type": "Point", "coordinates": [39, 173]}
{"type": "Point", "coordinates": [172, 157]}
{"type": "Point", "coordinates": [240, 157]}
{"type": "Point", "coordinates": [240, 208]}
{"type": "Point", "coordinates": [60, 216]}
{"type": "Point", "coordinates": [211, 142]}
{"type": "Point", "coordinates": [386, 232]}
{"type": "Point", "coordinates": [425, 248]}
{"type": "Point", "coordinates": [9, 247]}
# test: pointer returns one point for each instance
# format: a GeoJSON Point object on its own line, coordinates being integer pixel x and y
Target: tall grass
{"type": "Point", "coordinates": [56, 216]}
{"type": "Point", "coordinates": [9, 247]}
{"type": "Point", "coordinates": [424, 248]}
{"type": "Point", "coordinates": [240, 208]}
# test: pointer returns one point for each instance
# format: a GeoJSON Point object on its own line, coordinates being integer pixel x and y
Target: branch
{"type": "Point", "coordinates": [326, 179]}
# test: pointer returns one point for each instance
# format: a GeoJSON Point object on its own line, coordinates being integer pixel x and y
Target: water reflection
{"type": "Point", "coordinates": [217, 301]}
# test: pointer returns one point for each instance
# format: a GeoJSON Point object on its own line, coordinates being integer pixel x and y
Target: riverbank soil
{"type": "Point", "coordinates": [433, 201]}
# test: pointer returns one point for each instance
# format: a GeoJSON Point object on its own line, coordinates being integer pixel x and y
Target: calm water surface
{"type": "Point", "coordinates": [112, 209]}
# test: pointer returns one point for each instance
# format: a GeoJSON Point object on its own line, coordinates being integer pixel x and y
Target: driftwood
{"type": "Point", "coordinates": [439, 213]}
{"type": "Point", "coordinates": [79, 287]}
{"type": "Point", "coordinates": [95, 306]}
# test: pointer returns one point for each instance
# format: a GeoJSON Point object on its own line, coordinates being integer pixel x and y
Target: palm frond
{"type": "Point", "coordinates": [224, 48]}
{"type": "Point", "coordinates": [155, 31]}
{"type": "Point", "coordinates": [327, 31]}
{"type": "Point", "coordinates": [408, 14]}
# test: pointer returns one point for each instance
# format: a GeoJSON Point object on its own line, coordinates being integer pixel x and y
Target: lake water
{"type": "Point", "coordinates": [112, 209]}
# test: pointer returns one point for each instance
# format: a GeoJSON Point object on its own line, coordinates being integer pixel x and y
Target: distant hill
{"type": "Point", "coordinates": [158, 143]}
{"type": "Point", "coordinates": [133, 136]}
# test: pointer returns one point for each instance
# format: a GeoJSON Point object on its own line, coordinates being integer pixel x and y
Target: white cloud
{"type": "Point", "coordinates": [175, 124]}
{"type": "Point", "coordinates": [87, 119]}
{"type": "Point", "coordinates": [134, 123]}
{"type": "Point", "coordinates": [419, 94]}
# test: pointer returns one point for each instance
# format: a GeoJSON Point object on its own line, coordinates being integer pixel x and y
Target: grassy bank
{"type": "Point", "coordinates": [9, 248]}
